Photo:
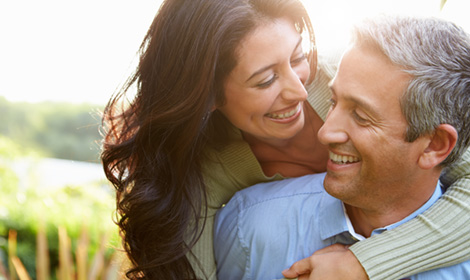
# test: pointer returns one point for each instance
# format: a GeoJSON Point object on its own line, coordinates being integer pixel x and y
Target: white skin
{"type": "Point", "coordinates": [265, 92]}
{"type": "Point", "coordinates": [372, 168]}
{"type": "Point", "coordinates": [380, 177]}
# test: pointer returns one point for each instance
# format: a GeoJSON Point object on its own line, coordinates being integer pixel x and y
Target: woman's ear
{"type": "Point", "coordinates": [441, 143]}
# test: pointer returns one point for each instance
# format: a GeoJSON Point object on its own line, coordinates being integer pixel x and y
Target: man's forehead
{"type": "Point", "coordinates": [368, 70]}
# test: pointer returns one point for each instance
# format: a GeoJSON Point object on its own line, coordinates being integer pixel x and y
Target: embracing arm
{"type": "Point", "coordinates": [437, 238]}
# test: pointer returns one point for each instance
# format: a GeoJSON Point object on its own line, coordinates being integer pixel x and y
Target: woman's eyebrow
{"type": "Point", "coordinates": [260, 71]}
{"type": "Point", "coordinates": [272, 65]}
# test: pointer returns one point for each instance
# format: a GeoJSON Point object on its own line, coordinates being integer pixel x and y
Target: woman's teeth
{"type": "Point", "coordinates": [284, 115]}
{"type": "Point", "coordinates": [342, 159]}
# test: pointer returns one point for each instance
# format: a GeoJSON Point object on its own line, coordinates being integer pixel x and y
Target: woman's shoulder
{"type": "Point", "coordinates": [230, 167]}
{"type": "Point", "coordinates": [319, 92]}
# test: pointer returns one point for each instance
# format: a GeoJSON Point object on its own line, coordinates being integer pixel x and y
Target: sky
{"type": "Point", "coordinates": [81, 51]}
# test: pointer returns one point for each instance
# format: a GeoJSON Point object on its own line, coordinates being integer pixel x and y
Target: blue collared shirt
{"type": "Point", "coordinates": [264, 229]}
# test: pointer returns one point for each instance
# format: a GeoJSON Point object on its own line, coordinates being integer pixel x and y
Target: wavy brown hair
{"type": "Point", "coordinates": [153, 146]}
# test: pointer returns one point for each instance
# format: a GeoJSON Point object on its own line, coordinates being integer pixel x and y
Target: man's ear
{"type": "Point", "coordinates": [441, 143]}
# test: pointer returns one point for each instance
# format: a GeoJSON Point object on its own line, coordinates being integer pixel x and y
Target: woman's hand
{"type": "Point", "coordinates": [330, 263]}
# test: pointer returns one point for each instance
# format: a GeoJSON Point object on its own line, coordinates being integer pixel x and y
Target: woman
{"type": "Point", "coordinates": [207, 120]}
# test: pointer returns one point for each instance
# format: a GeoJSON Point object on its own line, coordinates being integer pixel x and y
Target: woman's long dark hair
{"type": "Point", "coordinates": [152, 148]}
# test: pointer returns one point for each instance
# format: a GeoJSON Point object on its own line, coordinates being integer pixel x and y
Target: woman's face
{"type": "Point", "coordinates": [265, 92]}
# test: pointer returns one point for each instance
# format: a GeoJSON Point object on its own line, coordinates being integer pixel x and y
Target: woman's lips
{"type": "Point", "coordinates": [286, 116]}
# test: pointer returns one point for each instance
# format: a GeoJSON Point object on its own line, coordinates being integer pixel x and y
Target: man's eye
{"type": "Point", "coordinates": [332, 103]}
{"type": "Point", "coordinates": [299, 59]}
{"type": "Point", "coordinates": [358, 118]}
{"type": "Point", "coordinates": [267, 83]}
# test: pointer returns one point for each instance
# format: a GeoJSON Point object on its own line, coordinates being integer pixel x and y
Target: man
{"type": "Point", "coordinates": [399, 115]}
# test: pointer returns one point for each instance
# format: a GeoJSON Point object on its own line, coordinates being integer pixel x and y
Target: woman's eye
{"type": "Point", "coordinates": [267, 83]}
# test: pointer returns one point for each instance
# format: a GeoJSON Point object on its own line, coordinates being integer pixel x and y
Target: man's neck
{"type": "Point", "coordinates": [365, 221]}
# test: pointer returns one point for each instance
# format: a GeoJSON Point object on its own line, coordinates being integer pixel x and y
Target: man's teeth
{"type": "Point", "coordinates": [284, 115]}
{"type": "Point", "coordinates": [342, 159]}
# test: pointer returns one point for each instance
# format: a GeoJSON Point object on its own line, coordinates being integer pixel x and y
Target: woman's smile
{"type": "Point", "coordinates": [286, 116]}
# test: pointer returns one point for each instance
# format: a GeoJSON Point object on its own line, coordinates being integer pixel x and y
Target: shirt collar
{"type": "Point", "coordinates": [435, 196]}
{"type": "Point", "coordinates": [334, 219]}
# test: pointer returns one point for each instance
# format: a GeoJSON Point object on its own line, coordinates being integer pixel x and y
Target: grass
{"type": "Point", "coordinates": [49, 232]}
{"type": "Point", "coordinates": [71, 266]}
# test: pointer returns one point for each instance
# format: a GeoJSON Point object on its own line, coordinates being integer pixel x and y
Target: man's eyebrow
{"type": "Point", "coordinates": [272, 65]}
{"type": "Point", "coordinates": [360, 102]}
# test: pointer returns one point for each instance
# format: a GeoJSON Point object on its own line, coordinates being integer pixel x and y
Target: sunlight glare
{"type": "Point", "coordinates": [82, 51]}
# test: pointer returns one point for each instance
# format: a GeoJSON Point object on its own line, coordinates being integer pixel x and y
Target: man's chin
{"type": "Point", "coordinates": [336, 187]}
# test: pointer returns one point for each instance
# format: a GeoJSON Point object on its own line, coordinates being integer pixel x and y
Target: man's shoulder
{"type": "Point", "coordinates": [305, 185]}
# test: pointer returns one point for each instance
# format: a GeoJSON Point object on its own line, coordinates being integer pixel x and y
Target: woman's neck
{"type": "Point", "coordinates": [300, 155]}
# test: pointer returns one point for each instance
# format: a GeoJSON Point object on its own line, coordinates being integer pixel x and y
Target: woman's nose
{"type": "Point", "coordinates": [294, 88]}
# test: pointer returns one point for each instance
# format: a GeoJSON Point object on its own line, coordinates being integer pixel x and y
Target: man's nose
{"type": "Point", "coordinates": [334, 130]}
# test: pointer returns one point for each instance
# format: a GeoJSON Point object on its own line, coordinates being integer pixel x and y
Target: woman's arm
{"type": "Point", "coordinates": [437, 238]}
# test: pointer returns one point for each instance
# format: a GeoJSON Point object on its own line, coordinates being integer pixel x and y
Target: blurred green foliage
{"type": "Point", "coordinates": [26, 208]}
{"type": "Point", "coordinates": [57, 130]}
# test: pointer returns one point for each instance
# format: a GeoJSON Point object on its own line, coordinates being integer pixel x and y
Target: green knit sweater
{"type": "Point", "coordinates": [439, 237]}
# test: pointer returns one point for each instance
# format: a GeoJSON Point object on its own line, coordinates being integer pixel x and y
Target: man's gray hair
{"type": "Point", "coordinates": [437, 54]}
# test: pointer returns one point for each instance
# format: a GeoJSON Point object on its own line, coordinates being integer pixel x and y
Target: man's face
{"type": "Point", "coordinates": [370, 162]}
